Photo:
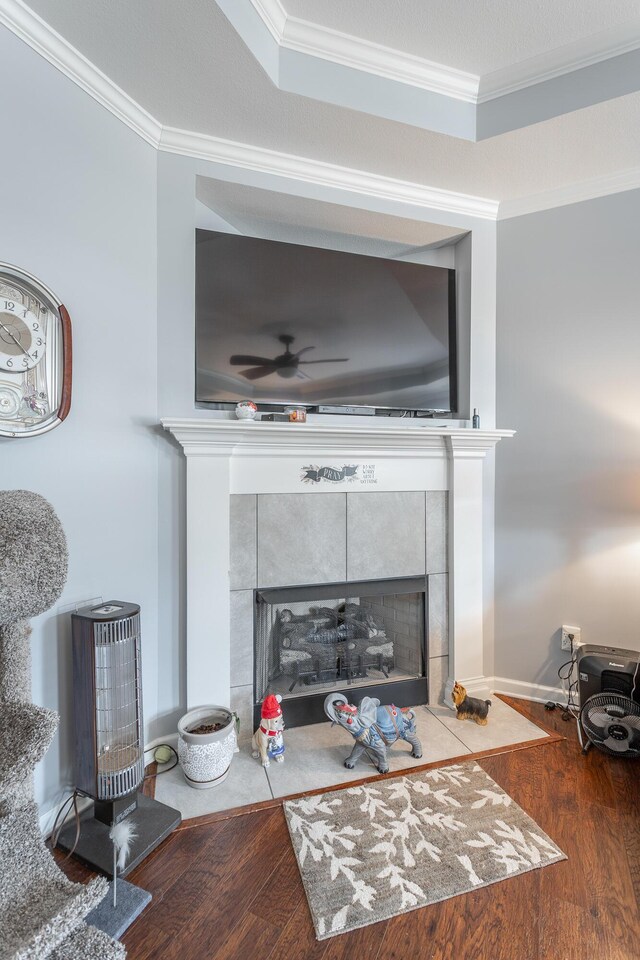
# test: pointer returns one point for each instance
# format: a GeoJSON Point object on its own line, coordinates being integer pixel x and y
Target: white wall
{"type": "Point", "coordinates": [78, 210]}
{"type": "Point", "coordinates": [568, 484]}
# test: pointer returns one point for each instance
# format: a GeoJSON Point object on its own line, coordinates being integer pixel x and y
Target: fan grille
{"type": "Point", "coordinates": [612, 723]}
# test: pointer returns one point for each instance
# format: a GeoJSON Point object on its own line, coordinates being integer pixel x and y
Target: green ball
{"type": "Point", "coordinates": [162, 754]}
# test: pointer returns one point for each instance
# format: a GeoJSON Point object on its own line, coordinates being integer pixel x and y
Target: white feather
{"type": "Point", "coordinates": [122, 835]}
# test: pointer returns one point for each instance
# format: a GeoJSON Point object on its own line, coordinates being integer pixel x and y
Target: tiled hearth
{"type": "Point", "coordinates": [314, 758]}
{"type": "Point", "coordinates": [384, 516]}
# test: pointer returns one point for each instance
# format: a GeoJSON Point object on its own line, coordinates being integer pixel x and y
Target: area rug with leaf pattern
{"type": "Point", "coordinates": [370, 852]}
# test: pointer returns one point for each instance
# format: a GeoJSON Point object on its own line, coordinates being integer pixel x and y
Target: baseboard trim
{"type": "Point", "coordinates": [527, 691]}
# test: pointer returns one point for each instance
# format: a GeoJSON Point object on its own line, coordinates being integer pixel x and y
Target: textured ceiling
{"type": "Point", "coordinates": [478, 36]}
{"type": "Point", "coordinates": [187, 66]}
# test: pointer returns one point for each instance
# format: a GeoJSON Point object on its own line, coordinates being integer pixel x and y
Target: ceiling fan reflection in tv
{"type": "Point", "coordinates": [281, 323]}
{"type": "Point", "coordinates": [286, 365]}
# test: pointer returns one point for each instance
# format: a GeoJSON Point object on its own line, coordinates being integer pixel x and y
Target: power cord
{"type": "Point", "coordinates": [565, 673]}
{"type": "Point", "coordinates": [65, 808]}
{"type": "Point", "coordinates": [152, 776]}
{"type": "Point", "coordinates": [635, 680]}
{"type": "Point", "coordinates": [55, 833]}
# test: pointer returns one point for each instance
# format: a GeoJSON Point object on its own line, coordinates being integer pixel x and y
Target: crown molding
{"type": "Point", "coordinates": [303, 169]}
{"type": "Point", "coordinates": [572, 193]}
{"type": "Point", "coordinates": [273, 15]}
{"type": "Point", "coordinates": [586, 52]}
{"type": "Point", "coordinates": [42, 38]}
{"type": "Point", "coordinates": [314, 40]}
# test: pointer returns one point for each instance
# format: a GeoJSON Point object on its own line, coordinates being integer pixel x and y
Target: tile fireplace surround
{"type": "Point", "coordinates": [236, 468]}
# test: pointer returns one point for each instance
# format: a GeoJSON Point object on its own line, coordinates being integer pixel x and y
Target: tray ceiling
{"type": "Point", "coordinates": [187, 67]}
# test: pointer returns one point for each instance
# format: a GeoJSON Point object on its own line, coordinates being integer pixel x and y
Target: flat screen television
{"type": "Point", "coordinates": [280, 323]}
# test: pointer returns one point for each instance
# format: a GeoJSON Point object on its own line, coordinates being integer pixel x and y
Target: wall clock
{"type": "Point", "coordinates": [35, 356]}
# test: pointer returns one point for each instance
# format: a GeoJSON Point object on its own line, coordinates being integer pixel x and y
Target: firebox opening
{"type": "Point", "coordinates": [364, 638]}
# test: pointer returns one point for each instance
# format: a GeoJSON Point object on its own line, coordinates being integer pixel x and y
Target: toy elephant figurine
{"type": "Point", "coordinates": [374, 728]}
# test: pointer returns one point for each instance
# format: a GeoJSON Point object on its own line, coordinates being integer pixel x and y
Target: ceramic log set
{"type": "Point", "coordinates": [373, 727]}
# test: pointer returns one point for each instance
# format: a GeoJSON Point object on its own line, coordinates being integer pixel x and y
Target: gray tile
{"type": "Point", "coordinates": [438, 673]}
{"type": "Point", "coordinates": [246, 783]}
{"type": "Point", "coordinates": [314, 759]}
{"type": "Point", "coordinates": [505, 726]}
{"type": "Point", "coordinates": [437, 527]}
{"type": "Point", "coordinates": [385, 535]}
{"type": "Point", "coordinates": [241, 631]}
{"type": "Point", "coordinates": [438, 615]}
{"type": "Point", "coordinates": [243, 541]}
{"type": "Point", "coordinates": [315, 755]}
{"type": "Point", "coordinates": [242, 704]}
{"type": "Point", "coordinates": [301, 538]}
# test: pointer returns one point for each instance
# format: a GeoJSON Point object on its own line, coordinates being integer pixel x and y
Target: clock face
{"type": "Point", "coordinates": [22, 340]}
{"type": "Point", "coordinates": [35, 356]}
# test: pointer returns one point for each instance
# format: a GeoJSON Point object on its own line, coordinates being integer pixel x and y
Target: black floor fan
{"type": "Point", "coordinates": [609, 689]}
{"type": "Point", "coordinates": [109, 738]}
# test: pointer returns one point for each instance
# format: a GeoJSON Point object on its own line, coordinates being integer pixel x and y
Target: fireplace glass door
{"type": "Point", "coordinates": [365, 638]}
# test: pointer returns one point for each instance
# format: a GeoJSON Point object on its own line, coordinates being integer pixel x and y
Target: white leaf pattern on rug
{"type": "Point", "coordinates": [373, 851]}
{"type": "Point", "coordinates": [490, 796]}
{"type": "Point", "coordinates": [473, 876]}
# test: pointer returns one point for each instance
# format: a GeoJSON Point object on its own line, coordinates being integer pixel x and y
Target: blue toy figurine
{"type": "Point", "coordinates": [374, 728]}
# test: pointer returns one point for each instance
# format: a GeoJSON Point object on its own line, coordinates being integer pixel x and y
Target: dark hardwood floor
{"type": "Point", "coordinates": [229, 889]}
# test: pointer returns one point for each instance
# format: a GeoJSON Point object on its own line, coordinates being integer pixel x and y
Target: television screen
{"type": "Point", "coordinates": [280, 323]}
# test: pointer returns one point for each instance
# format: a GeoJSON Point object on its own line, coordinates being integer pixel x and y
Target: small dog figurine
{"type": "Point", "coordinates": [268, 742]}
{"type": "Point", "coordinates": [469, 708]}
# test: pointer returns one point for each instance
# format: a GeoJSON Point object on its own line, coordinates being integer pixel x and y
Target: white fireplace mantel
{"type": "Point", "coordinates": [225, 457]}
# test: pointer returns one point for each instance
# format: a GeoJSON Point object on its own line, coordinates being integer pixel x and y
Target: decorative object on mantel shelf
{"type": "Point", "coordinates": [469, 708]}
{"type": "Point", "coordinates": [206, 743]}
{"type": "Point", "coordinates": [246, 410]}
{"type": "Point", "coordinates": [296, 414]}
{"type": "Point", "coordinates": [373, 727]}
{"type": "Point", "coordinates": [268, 740]}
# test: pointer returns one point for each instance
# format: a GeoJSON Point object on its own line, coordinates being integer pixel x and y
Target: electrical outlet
{"type": "Point", "coordinates": [565, 639]}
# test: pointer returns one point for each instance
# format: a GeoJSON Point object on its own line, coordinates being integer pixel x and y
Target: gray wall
{"type": "Point", "coordinates": [568, 485]}
{"type": "Point", "coordinates": [78, 202]}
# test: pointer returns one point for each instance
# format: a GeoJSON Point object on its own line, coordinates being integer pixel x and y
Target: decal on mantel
{"type": "Point", "coordinates": [348, 473]}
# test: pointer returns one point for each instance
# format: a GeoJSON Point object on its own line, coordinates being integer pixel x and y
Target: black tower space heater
{"type": "Point", "coordinates": [108, 708]}
{"type": "Point", "coordinates": [109, 735]}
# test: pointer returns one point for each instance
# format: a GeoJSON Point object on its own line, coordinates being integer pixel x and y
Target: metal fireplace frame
{"type": "Point", "coordinates": [307, 709]}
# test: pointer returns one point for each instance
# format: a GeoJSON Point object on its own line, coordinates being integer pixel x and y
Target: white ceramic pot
{"type": "Point", "coordinates": [205, 758]}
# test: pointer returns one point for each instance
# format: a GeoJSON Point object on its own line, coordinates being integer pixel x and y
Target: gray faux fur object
{"type": "Point", "coordinates": [33, 572]}
{"type": "Point", "coordinates": [33, 555]}
{"type": "Point", "coordinates": [15, 660]}
{"type": "Point", "coordinates": [87, 941]}
{"type": "Point", "coordinates": [41, 912]}
{"type": "Point", "coordinates": [25, 734]}
{"type": "Point", "coordinates": [42, 907]}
